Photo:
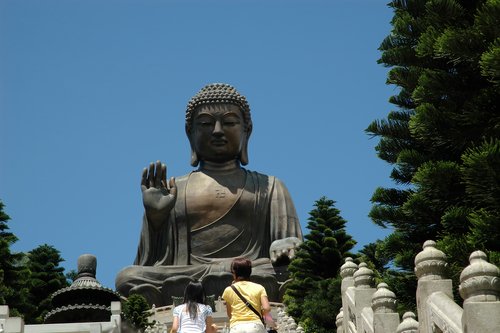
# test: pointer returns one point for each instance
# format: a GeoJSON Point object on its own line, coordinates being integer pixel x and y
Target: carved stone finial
{"type": "Point", "coordinates": [363, 277]}
{"type": "Point", "coordinates": [87, 265]}
{"type": "Point", "coordinates": [281, 315]}
{"type": "Point", "coordinates": [339, 320]}
{"type": "Point", "coordinates": [430, 263]}
{"type": "Point", "coordinates": [383, 300]}
{"type": "Point", "coordinates": [299, 329]}
{"type": "Point", "coordinates": [480, 281]}
{"type": "Point", "coordinates": [409, 324]}
{"type": "Point", "coordinates": [348, 268]}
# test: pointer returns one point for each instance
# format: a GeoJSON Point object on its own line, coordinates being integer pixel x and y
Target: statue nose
{"type": "Point", "coordinates": [217, 127]}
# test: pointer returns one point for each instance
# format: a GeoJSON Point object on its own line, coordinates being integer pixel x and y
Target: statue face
{"type": "Point", "coordinates": [218, 132]}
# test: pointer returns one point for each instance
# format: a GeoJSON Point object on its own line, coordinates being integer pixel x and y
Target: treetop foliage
{"type": "Point", "coordinates": [314, 272]}
{"type": "Point", "coordinates": [134, 311]}
{"type": "Point", "coordinates": [28, 279]}
{"type": "Point", "coordinates": [443, 140]}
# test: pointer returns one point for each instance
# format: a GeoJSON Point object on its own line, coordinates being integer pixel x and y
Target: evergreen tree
{"type": "Point", "coordinates": [317, 262]}
{"type": "Point", "coordinates": [321, 306]}
{"type": "Point", "coordinates": [5, 241]}
{"type": "Point", "coordinates": [13, 271]}
{"type": "Point", "coordinates": [444, 139]}
{"type": "Point", "coordinates": [46, 278]}
{"type": "Point", "coordinates": [134, 311]}
{"type": "Point", "coordinates": [371, 254]}
{"type": "Point", "coordinates": [71, 276]}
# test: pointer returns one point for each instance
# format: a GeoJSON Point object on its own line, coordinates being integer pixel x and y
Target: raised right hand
{"type": "Point", "coordinates": [158, 197]}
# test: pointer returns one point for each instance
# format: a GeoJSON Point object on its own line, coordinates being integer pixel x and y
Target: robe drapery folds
{"type": "Point", "coordinates": [262, 213]}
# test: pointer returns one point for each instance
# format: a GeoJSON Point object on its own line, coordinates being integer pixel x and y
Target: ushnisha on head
{"type": "Point", "coordinates": [217, 94]}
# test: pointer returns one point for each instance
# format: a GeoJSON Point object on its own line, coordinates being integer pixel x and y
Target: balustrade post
{"type": "Point", "coordinates": [430, 267]}
{"type": "Point", "coordinates": [290, 326]}
{"type": "Point", "coordinates": [4, 315]}
{"type": "Point", "coordinates": [116, 309]}
{"type": "Point", "coordinates": [10, 324]}
{"type": "Point", "coordinates": [363, 292]}
{"type": "Point", "coordinates": [339, 321]}
{"type": "Point", "coordinates": [409, 324]}
{"type": "Point", "coordinates": [347, 271]}
{"type": "Point", "coordinates": [480, 289]}
{"type": "Point", "coordinates": [385, 318]}
{"type": "Point", "coordinates": [281, 316]}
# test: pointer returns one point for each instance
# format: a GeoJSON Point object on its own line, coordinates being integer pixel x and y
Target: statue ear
{"type": "Point", "coordinates": [194, 156]}
{"type": "Point", "coordinates": [244, 147]}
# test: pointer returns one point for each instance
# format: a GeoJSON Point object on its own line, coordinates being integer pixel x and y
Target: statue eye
{"type": "Point", "coordinates": [205, 122]}
{"type": "Point", "coordinates": [231, 121]}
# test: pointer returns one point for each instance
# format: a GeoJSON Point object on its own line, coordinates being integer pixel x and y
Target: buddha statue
{"type": "Point", "coordinates": [194, 225]}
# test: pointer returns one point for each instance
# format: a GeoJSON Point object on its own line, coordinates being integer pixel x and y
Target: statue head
{"type": "Point", "coordinates": [219, 96]}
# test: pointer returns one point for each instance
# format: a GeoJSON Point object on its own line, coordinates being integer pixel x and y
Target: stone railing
{"type": "Point", "coordinates": [16, 324]}
{"type": "Point", "coordinates": [287, 324]}
{"type": "Point", "coordinates": [373, 310]}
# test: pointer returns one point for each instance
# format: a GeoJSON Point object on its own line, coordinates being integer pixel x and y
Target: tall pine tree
{"type": "Point", "coordinates": [315, 268]}
{"type": "Point", "coordinates": [14, 274]}
{"type": "Point", "coordinates": [444, 138]}
{"type": "Point", "coordinates": [46, 278]}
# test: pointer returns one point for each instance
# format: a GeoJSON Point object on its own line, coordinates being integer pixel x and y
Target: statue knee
{"type": "Point", "coordinates": [126, 279]}
{"type": "Point", "coordinates": [150, 292]}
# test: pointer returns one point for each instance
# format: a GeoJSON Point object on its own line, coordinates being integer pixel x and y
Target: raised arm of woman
{"type": "Point", "coordinates": [264, 302]}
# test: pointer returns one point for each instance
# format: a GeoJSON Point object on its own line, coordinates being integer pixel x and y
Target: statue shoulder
{"type": "Point", "coordinates": [261, 176]}
{"type": "Point", "coordinates": [274, 184]}
{"type": "Point", "coordinates": [182, 179]}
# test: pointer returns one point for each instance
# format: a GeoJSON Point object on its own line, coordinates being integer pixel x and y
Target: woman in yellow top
{"type": "Point", "coordinates": [241, 318]}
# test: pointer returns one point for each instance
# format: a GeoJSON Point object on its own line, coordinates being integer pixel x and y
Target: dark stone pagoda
{"type": "Point", "coordinates": [86, 300]}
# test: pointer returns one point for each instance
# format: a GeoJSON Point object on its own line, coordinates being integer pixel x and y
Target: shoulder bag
{"type": "Point", "coordinates": [250, 306]}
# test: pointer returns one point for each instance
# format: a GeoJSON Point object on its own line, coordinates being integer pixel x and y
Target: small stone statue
{"type": "Point", "coordinates": [196, 224]}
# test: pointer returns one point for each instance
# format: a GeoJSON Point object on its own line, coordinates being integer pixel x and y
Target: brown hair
{"type": "Point", "coordinates": [241, 268]}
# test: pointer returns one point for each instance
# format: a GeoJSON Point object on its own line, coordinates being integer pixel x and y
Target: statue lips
{"type": "Point", "coordinates": [218, 142]}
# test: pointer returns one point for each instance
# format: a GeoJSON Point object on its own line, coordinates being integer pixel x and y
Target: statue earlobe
{"type": "Point", "coordinates": [194, 158]}
{"type": "Point", "coordinates": [244, 148]}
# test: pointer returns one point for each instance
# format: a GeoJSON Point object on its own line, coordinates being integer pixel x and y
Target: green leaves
{"type": "Point", "coordinates": [490, 62]}
{"type": "Point", "coordinates": [481, 174]}
{"type": "Point", "coordinates": [316, 266]}
{"type": "Point", "coordinates": [134, 311]}
{"type": "Point", "coordinates": [443, 141]}
{"type": "Point", "coordinates": [46, 278]}
{"type": "Point", "coordinates": [28, 280]}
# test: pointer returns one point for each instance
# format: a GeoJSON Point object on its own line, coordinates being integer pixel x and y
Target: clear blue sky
{"type": "Point", "coordinates": [91, 91]}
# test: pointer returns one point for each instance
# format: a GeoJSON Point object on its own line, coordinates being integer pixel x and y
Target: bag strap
{"type": "Point", "coordinates": [248, 304]}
